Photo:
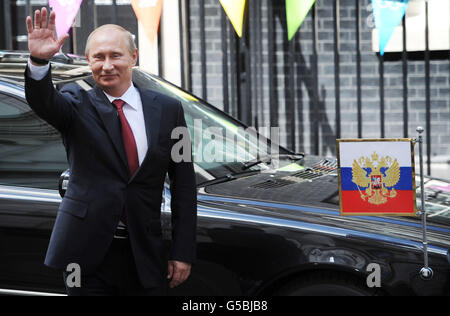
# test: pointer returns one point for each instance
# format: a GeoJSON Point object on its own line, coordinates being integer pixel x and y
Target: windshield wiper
{"type": "Point", "coordinates": [248, 164]}
{"type": "Point", "coordinates": [225, 178]}
{"type": "Point", "coordinates": [268, 159]}
{"type": "Point", "coordinates": [228, 177]}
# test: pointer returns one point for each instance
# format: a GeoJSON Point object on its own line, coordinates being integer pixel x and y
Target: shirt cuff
{"type": "Point", "coordinates": [37, 72]}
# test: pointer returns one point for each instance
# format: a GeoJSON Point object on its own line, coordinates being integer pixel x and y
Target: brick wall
{"type": "Point", "coordinates": [302, 95]}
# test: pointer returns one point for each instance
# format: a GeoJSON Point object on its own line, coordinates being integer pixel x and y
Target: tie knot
{"type": "Point", "coordinates": [119, 104]}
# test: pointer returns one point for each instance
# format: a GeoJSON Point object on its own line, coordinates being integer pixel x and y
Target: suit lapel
{"type": "Point", "coordinates": [108, 114]}
{"type": "Point", "coordinates": [152, 117]}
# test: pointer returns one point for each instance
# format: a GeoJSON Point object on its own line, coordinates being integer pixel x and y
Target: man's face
{"type": "Point", "coordinates": [111, 61]}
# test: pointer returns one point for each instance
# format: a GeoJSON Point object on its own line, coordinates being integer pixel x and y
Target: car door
{"type": "Point", "coordinates": [31, 159]}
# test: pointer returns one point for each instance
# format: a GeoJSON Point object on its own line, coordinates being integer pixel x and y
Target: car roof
{"type": "Point", "coordinates": [64, 67]}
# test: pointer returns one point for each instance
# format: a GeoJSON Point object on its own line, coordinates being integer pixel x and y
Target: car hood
{"type": "Point", "coordinates": [311, 195]}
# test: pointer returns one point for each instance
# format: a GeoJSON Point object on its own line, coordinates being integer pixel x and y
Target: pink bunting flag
{"type": "Point", "coordinates": [66, 11]}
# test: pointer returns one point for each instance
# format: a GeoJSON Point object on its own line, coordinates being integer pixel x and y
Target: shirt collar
{"type": "Point", "coordinates": [130, 97]}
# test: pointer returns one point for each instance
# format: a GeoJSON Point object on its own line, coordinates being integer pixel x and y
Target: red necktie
{"type": "Point", "coordinates": [129, 142]}
{"type": "Point", "coordinates": [128, 138]}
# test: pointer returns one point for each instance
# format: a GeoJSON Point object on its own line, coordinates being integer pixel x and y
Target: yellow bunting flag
{"type": "Point", "coordinates": [148, 13]}
{"type": "Point", "coordinates": [296, 12]}
{"type": "Point", "coordinates": [235, 11]}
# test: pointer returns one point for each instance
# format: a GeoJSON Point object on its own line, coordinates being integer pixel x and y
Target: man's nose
{"type": "Point", "coordinates": [108, 65]}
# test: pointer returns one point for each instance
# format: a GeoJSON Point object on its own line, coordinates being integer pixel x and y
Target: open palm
{"type": "Point", "coordinates": [41, 36]}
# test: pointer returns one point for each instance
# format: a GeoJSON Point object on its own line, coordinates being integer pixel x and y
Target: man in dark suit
{"type": "Point", "coordinates": [118, 142]}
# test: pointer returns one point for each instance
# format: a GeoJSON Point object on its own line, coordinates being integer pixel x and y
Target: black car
{"type": "Point", "coordinates": [268, 218]}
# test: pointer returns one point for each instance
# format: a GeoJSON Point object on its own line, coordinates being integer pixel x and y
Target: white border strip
{"type": "Point", "coordinates": [27, 293]}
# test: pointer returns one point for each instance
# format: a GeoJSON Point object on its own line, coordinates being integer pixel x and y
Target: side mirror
{"type": "Point", "coordinates": [63, 182]}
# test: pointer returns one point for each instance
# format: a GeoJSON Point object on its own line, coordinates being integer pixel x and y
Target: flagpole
{"type": "Point", "coordinates": [426, 272]}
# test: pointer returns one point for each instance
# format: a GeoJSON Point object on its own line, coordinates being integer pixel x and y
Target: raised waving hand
{"type": "Point", "coordinates": [41, 35]}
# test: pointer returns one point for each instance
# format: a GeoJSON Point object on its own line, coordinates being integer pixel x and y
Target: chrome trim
{"type": "Point", "coordinates": [27, 293]}
{"type": "Point", "coordinates": [14, 91]}
{"type": "Point", "coordinates": [29, 194]}
{"type": "Point", "coordinates": [317, 228]}
{"type": "Point", "coordinates": [205, 212]}
{"type": "Point", "coordinates": [203, 172]}
{"type": "Point", "coordinates": [280, 205]}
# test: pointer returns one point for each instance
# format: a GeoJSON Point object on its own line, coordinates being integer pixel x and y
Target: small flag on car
{"type": "Point", "coordinates": [376, 177]}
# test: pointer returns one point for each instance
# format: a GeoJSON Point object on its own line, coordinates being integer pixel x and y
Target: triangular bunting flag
{"type": "Point", "coordinates": [388, 15]}
{"type": "Point", "coordinates": [296, 11]}
{"type": "Point", "coordinates": [148, 13]}
{"type": "Point", "coordinates": [66, 11]}
{"type": "Point", "coordinates": [235, 11]}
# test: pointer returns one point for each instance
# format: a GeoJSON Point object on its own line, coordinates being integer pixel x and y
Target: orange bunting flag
{"type": "Point", "coordinates": [235, 10]}
{"type": "Point", "coordinates": [148, 13]}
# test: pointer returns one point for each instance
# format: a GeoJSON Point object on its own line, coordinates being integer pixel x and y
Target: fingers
{"type": "Point", "coordinates": [51, 22]}
{"type": "Point", "coordinates": [176, 280]}
{"type": "Point", "coordinates": [62, 39]}
{"type": "Point", "coordinates": [184, 274]}
{"type": "Point", "coordinates": [29, 25]}
{"type": "Point", "coordinates": [37, 19]}
{"type": "Point", "coordinates": [44, 18]}
{"type": "Point", "coordinates": [40, 20]}
{"type": "Point", "coordinates": [170, 270]}
{"type": "Point", "coordinates": [180, 273]}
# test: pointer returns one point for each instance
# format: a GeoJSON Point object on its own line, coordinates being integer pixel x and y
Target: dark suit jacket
{"type": "Point", "coordinates": [100, 186]}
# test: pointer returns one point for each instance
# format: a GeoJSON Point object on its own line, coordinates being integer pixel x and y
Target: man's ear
{"type": "Point", "coordinates": [135, 57]}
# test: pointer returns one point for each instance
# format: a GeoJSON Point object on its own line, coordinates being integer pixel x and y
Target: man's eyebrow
{"type": "Point", "coordinates": [106, 53]}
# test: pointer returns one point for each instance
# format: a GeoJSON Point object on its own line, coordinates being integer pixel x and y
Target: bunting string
{"type": "Point", "coordinates": [388, 14]}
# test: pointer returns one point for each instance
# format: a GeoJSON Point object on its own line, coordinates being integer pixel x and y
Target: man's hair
{"type": "Point", "coordinates": [129, 37]}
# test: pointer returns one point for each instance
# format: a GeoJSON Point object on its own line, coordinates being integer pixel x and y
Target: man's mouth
{"type": "Point", "coordinates": [108, 76]}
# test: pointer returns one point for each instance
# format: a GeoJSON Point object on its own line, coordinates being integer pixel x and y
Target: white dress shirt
{"type": "Point", "coordinates": [132, 109]}
{"type": "Point", "coordinates": [135, 116]}
{"type": "Point", "coordinates": [37, 72]}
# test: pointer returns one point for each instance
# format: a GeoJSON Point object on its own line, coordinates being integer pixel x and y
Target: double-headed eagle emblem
{"type": "Point", "coordinates": [374, 178]}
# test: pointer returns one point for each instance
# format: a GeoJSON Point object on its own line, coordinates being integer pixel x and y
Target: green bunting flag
{"type": "Point", "coordinates": [296, 11]}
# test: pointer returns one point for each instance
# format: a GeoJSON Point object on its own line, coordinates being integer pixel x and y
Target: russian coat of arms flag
{"type": "Point", "coordinates": [376, 177]}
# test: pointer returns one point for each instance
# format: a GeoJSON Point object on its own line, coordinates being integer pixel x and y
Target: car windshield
{"type": "Point", "coordinates": [220, 144]}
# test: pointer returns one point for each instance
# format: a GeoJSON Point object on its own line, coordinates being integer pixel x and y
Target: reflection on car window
{"type": "Point", "coordinates": [8, 109]}
{"type": "Point", "coordinates": [220, 144]}
{"type": "Point", "coordinates": [31, 151]}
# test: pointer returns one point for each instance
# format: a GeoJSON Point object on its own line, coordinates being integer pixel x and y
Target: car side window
{"type": "Point", "coordinates": [31, 151]}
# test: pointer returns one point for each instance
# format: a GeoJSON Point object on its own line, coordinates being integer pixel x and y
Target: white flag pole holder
{"type": "Point", "coordinates": [426, 272]}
